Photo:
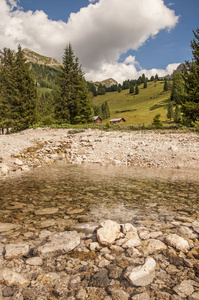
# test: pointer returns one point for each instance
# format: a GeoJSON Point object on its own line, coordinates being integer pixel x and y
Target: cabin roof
{"type": "Point", "coordinates": [96, 117]}
{"type": "Point", "coordinates": [117, 119]}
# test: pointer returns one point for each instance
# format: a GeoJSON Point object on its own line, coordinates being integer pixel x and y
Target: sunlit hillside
{"type": "Point", "coordinates": [137, 109]}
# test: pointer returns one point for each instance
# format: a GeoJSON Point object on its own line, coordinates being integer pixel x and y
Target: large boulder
{"type": "Point", "coordinates": [142, 275]}
{"type": "Point", "coordinates": [60, 242]}
{"type": "Point", "coordinates": [16, 250]}
{"type": "Point", "coordinates": [108, 232]}
{"type": "Point", "coordinates": [177, 242]}
{"type": "Point", "coordinates": [12, 278]}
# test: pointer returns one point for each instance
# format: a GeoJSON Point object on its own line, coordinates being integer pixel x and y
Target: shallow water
{"type": "Point", "coordinates": [91, 193]}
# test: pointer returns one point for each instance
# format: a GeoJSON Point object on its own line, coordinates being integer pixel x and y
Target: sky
{"type": "Point", "coordinates": [119, 39]}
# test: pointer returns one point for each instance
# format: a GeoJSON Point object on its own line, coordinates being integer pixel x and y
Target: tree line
{"type": "Point", "coordinates": [20, 104]}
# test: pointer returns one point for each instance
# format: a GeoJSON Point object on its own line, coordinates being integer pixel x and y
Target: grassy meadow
{"type": "Point", "coordinates": [137, 109]}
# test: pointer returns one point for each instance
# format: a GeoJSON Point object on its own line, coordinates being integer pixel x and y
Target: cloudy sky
{"type": "Point", "coordinates": [121, 39]}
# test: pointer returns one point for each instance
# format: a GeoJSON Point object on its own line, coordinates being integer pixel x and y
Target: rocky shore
{"type": "Point", "coordinates": [105, 261]}
{"type": "Point", "coordinates": [45, 254]}
{"type": "Point", "coordinates": [32, 148]}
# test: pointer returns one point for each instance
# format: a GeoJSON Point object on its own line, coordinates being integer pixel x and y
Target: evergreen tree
{"type": "Point", "coordinates": [170, 111]}
{"type": "Point", "coordinates": [97, 110]}
{"type": "Point", "coordinates": [145, 84]}
{"type": "Point", "coordinates": [18, 92]}
{"type": "Point", "coordinates": [105, 110]}
{"type": "Point", "coordinates": [190, 98]}
{"type": "Point", "coordinates": [137, 89]}
{"type": "Point", "coordinates": [177, 88]}
{"type": "Point", "coordinates": [166, 87]}
{"type": "Point", "coordinates": [73, 103]}
{"type": "Point", "coordinates": [9, 95]}
{"type": "Point", "coordinates": [132, 89]}
{"type": "Point", "coordinates": [177, 115]}
{"type": "Point", "coordinates": [25, 110]}
{"type": "Point", "coordinates": [156, 121]}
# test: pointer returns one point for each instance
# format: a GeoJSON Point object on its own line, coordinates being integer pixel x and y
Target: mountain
{"type": "Point", "coordinates": [108, 82]}
{"type": "Point", "coordinates": [34, 57]}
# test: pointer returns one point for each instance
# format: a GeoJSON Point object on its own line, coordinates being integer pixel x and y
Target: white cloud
{"type": "Point", "coordinates": [99, 33]}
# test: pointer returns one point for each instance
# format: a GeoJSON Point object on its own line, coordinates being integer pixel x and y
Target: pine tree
{"type": "Point", "coordinates": [25, 110]}
{"type": "Point", "coordinates": [136, 90]}
{"type": "Point", "coordinates": [9, 93]}
{"type": "Point", "coordinates": [105, 110]}
{"type": "Point", "coordinates": [170, 111]}
{"type": "Point", "coordinates": [190, 98]}
{"type": "Point", "coordinates": [177, 115]}
{"type": "Point", "coordinates": [166, 87]}
{"type": "Point", "coordinates": [18, 93]}
{"type": "Point", "coordinates": [177, 88]}
{"type": "Point", "coordinates": [132, 89]}
{"type": "Point", "coordinates": [72, 103]}
{"type": "Point", "coordinates": [145, 84]}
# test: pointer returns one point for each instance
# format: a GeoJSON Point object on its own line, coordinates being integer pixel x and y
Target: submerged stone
{"type": "Point", "coordinates": [142, 275]}
{"type": "Point", "coordinates": [177, 242]}
{"type": "Point", "coordinates": [61, 242]}
{"type": "Point", "coordinates": [108, 232]}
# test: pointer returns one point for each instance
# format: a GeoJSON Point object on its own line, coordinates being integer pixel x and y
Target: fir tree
{"type": "Point", "coordinates": [177, 88]}
{"type": "Point", "coordinates": [18, 92]}
{"type": "Point", "coordinates": [177, 115]}
{"type": "Point", "coordinates": [105, 110]}
{"type": "Point", "coordinates": [170, 111]}
{"type": "Point", "coordinates": [145, 84]}
{"type": "Point", "coordinates": [166, 87]}
{"type": "Point", "coordinates": [25, 110]}
{"type": "Point", "coordinates": [132, 89]}
{"type": "Point", "coordinates": [72, 103]}
{"type": "Point", "coordinates": [136, 90]}
{"type": "Point", "coordinates": [190, 98]}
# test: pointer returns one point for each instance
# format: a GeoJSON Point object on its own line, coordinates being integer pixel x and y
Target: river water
{"type": "Point", "coordinates": [70, 194]}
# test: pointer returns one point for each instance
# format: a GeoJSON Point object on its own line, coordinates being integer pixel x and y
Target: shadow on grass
{"type": "Point", "coordinates": [163, 104]}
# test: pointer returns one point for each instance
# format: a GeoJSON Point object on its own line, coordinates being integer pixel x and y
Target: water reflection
{"type": "Point", "coordinates": [67, 194]}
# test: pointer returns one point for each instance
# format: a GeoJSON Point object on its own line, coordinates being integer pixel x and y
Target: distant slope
{"type": "Point", "coordinates": [34, 57]}
{"type": "Point", "coordinates": [137, 109]}
{"type": "Point", "coordinates": [43, 69]}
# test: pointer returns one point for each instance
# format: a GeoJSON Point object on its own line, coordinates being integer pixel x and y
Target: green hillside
{"type": "Point", "coordinates": [137, 109]}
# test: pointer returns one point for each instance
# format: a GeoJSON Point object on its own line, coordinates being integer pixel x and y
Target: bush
{"type": "Point", "coordinates": [156, 121]}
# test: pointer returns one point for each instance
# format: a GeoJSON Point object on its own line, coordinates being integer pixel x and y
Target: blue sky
{"type": "Point", "coordinates": [112, 38]}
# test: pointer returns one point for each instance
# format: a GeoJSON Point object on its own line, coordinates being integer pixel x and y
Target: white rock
{"type": "Point", "coordinates": [155, 245]}
{"type": "Point", "coordinates": [143, 296]}
{"type": "Point", "coordinates": [108, 232]}
{"type": "Point", "coordinates": [195, 226]}
{"type": "Point", "coordinates": [128, 227]}
{"type": "Point", "coordinates": [94, 246]}
{"type": "Point", "coordinates": [34, 261]}
{"type": "Point", "coordinates": [18, 162]}
{"type": "Point", "coordinates": [187, 232]}
{"type": "Point", "coordinates": [119, 294]}
{"type": "Point", "coordinates": [177, 242]}
{"type": "Point", "coordinates": [47, 211]}
{"type": "Point", "coordinates": [142, 275]}
{"type": "Point", "coordinates": [184, 289]}
{"type": "Point", "coordinates": [63, 242]}
{"type": "Point", "coordinates": [194, 296]}
{"type": "Point", "coordinates": [4, 170]}
{"type": "Point", "coordinates": [12, 278]}
{"type": "Point", "coordinates": [16, 250]}
{"type": "Point", "coordinates": [4, 227]}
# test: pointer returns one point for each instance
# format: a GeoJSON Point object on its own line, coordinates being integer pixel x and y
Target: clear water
{"type": "Point", "coordinates": [91, 193]}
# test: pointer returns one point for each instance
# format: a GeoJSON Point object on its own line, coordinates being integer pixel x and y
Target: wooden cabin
{"type": "Point", "coordinates": [97, 120]}
{"type": "Point", "coordinates": [117, 121]}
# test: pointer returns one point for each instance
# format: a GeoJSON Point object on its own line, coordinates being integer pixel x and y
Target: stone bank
{"type": "Point", "coordinates": [103, 261]}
